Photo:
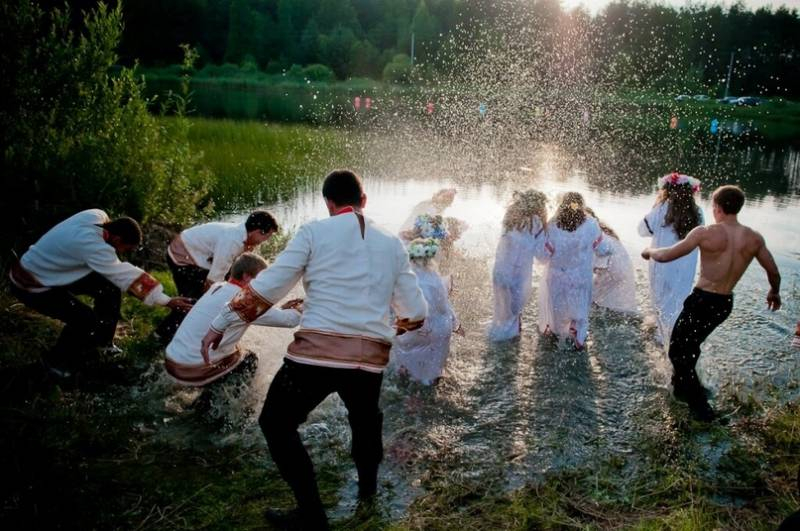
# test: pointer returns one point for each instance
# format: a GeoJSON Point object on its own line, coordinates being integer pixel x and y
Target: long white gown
{"type": "Point", "coordinates": [565, 295]}
{"type": "Point", "coordinates": [423, 352]}
{"type": "Point", "coordinates": [512, 278]}
{"type": "Point", "coordinates": [614, 285]}
{"type": "Point", "coordinates": [670, 282]}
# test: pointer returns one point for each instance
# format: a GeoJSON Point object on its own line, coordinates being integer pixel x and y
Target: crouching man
{"type": "Point", "coordinates": [79, 257]}
{"type": "Point", "coordinates": [184, 361]}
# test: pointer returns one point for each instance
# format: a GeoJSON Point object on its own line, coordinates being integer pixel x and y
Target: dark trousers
{"type": "Point", "coordinates": [190, 282]}
{"type": "Point", "coordinates": [85, 327]}
{"type": "Point", "coordinates": [295, 391]}
{"type": "Point", "coordinates": [702, 313]}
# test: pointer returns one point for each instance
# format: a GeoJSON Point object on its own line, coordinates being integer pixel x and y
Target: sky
{"type": "Point", "coordinates": [593, 6]}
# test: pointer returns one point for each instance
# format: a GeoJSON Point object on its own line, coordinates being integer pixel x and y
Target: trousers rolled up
{"type": "Point", "coordinates": [85, 326]}
{"type": "Point", "coordinates": [295, 391]}
{"type": "Point", "coordinates": [702, 312]}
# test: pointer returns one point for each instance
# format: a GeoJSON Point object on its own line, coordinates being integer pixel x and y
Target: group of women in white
{"type": "Point", "coordinates": [583, 262]}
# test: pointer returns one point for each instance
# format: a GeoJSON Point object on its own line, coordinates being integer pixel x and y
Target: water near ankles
{"type": "Point", "coordinates": [507, 413]}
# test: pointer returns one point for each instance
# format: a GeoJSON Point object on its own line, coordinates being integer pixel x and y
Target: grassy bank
{"type": "Point", "coordinates": [100, 454]}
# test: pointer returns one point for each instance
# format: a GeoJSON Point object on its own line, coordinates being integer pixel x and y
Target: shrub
{"type": "Point", "coordinates": [74, 136]}
{"type": "Point", "coordinates": [317, 72]}
{"type": "Point", "coordinates": [398, 70]}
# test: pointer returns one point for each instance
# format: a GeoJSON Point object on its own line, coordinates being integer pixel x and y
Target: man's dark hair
{"type": "Point", "coordinates": [126, 228]}
{"type": "Point", "coordinates": [730, 198]}
{"type": "Point", "coordinates": [343, 187]}
{"type": "Point", "coordinates": [260, 220]}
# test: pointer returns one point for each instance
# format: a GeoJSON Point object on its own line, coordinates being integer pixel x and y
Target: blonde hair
{"type": "Point", "coordinates": [247, 264]}
{"type": "Point", "coordinates": [525, 205]}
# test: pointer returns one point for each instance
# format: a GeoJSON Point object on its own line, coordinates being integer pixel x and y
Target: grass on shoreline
{"type": "Point", "coordinates": [97, 459]}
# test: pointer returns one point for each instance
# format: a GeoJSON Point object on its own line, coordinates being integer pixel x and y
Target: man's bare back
{"type": "Point", "coordinates": [726, 250]}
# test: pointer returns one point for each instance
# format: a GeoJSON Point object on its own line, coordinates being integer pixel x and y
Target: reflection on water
{"type": "Point", "coordinates": [506, 413]}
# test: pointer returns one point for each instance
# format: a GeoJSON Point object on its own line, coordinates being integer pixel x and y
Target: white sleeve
{"type": "Point", "coordinates": [102, 258]}
{"type": "Point", "coordinates": [407, 299]}
{"type": "Point", "coordinates": [279, 318]}
{"type": "Point", "coordinates": [647, 224]}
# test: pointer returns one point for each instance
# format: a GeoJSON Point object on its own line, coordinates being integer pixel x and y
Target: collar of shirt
{"type": "Point", "coordinates": [235, 282]}
{"type": "Point", "coordinates": [344, 210]}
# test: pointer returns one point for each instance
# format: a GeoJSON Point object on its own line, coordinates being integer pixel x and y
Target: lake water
{"type": "Point", "coordinates": [507, 413]}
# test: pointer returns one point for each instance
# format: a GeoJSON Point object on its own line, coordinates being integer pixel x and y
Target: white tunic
{"type": "Point", "coordinates": [565, 296]}
{"type": "Point", "coordinates": [512, 278]}
{"type": "Point", "coordinates": [423, 352]}
{"type": "Point", "coordinates": [614, 284]}
{"type": "Point", "coordinates": [670, 282]}
{"type": "Point", "coordinates": [185, 346]}
{"type": "Point", "coordinates": [214, 246]}
{"type": "Point", "coordinates": [350, 281]}
{"type": "Point", "coordinates": [76, 247]}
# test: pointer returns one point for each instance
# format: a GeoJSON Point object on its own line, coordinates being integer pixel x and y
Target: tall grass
{"type": "Point", "coordinates": [255, 163]}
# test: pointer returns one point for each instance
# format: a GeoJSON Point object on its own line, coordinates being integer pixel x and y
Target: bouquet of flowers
{"type": "Point", "coordinates": [427, 226]}
{"type": "Point", "coordinates": [423, 248]}
{"type": "Point", "coordinates": [677, 179]}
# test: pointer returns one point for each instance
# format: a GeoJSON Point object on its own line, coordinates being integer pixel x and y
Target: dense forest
{"type": "Point", "coordinates": [630, 44]}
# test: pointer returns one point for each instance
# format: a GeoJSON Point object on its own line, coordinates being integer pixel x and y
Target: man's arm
{"type": "Point", "coordinates": [271, 284]}
{"type": "Point", "coordinates": [682, 248]}
{"type": "Point", "coordinates": [407, 299]}
{"type": "Point", "coordinates": [766, 260]}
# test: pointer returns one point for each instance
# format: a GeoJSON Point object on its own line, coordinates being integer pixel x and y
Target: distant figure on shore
{"type": "Point", "coordinates": [79, 257]}
{"type": "Point", "coordinates": [202, 255]}
{"type": "Point", "coordinates": [353, 273]}
{"type": "Point", "coordinates": [673, 216]}
{"type": "Point", "coordinates": [726, 250]}
{"type": "Point", "coordinates": [614, 285]}
{"type": "Point", "coordinates": [186, 364]}
{"type": "Point", "coordinates": [523, 238]}
{"type": "Point", "coordinates": [422, 353]}
{"type": "Point", "coordinates": [565, 294]}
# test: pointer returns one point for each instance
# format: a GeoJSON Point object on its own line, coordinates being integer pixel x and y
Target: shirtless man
{"type": "Point", "coordinates": [726, 250]}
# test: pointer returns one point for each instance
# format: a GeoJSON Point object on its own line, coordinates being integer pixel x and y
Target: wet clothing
{"type": "Point", "coordinates": [85, 327]}
{"type": "Point", "coordinates": [294, 392]}
{"type": "Point", "coordinates": [184, 362]}
{"type": "Point", "coordinates": [703, 311]}
{"type": "Point", "coordinates": [190, 281]}
{"type": "Point", "coordinates": [512, 278]}
{"type": "Point", "coordinates": [670, 282]}
{"type": "Point", "coordinates": [565, 295]}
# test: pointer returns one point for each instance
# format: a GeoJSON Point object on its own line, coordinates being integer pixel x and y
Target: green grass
{"type": "Point", "coordinates": [256, 163]}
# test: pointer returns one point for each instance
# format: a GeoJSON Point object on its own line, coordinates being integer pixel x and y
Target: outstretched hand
{"type": "Point", "coordinates": [210, 340]}
{"type": "Point", "coordinates": [182, 304]}
{"type": "Point", "coordinates": [773, 300]}
{"type": "Point", "coordinates": [407, 325]}
{"type": "Point", "coordinates": [646, 253]}
{"type": "Point", "coordinates": [294, 304]}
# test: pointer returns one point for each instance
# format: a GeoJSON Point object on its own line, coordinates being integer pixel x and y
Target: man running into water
{"type": "Point", "coordinates": [726, 250]}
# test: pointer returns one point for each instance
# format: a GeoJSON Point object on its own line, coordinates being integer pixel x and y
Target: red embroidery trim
{"type": "Point", "coordinates": [142, 286]}
{"type": "Point", "coordinates": [344, 210]}
{"type": "Point", "coordinates": [248, 304]}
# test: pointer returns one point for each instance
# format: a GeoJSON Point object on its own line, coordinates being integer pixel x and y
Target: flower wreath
{"type": "Point", "coordinates": [423, 248]}
{"type": "Point", "coordinates": [428, 226]}
{"type": "Point", "coordinates": [676, 179]}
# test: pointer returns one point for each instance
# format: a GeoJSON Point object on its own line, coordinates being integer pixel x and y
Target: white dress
{"type": "Point", "coordinates": [565, 295]}
{"type": "Point", "coordinates": [670, 282]}
{"type": "Point", "coordinates": [512, 278]}
{"type": "Point", "coordinates": [614, 285]}
{"type": "Point", "coordinates": [423, 352]}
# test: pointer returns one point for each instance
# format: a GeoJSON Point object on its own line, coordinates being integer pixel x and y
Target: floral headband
{"type": "Point", "coordinates": [428, 226]}
{"type": "Point", "coordinates": [676, 179]}
{"type": "Point", "coordinates": [423, 248]}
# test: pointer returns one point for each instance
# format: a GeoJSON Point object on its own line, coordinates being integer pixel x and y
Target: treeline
{"type": "Point", "coordinates": [628, 44]}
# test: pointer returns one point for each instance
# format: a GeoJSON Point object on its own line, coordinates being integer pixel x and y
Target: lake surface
{"type": "Point", "coordinates": [507, 413]}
